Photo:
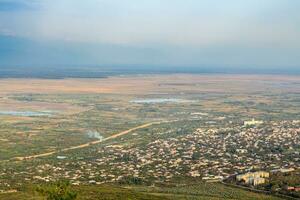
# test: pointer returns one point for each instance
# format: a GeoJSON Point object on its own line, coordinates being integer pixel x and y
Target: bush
{"type": "Point", "coordinates": [57, 191]}
{"type": "Point", "coordinates": [131, 180]}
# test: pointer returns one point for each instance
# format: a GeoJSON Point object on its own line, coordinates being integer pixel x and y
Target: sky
{"type": "Point", "coordinates": [248, 34]}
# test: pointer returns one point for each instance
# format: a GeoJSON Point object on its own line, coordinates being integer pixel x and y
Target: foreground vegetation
{"type": "Point", "coordinates": [202, 191]}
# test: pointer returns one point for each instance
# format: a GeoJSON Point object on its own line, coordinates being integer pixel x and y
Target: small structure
{"type": "Point", "coordinates": [286, 170]}
{"type": "Point", "coordinates": [61, 157]}
{"type": "Point", "coordinates": [252, 122]}
{"type": "Point", "coordinates": [292, 188]}
{"type": "Point", "coordinates": [253, 178]}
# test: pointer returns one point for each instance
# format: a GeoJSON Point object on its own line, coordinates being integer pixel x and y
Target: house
{"type": "Point", "coordinates": [252, 122]}
{"type": "Point", "coordinates": [297, 189]}
{"type": "Point", "coordinates": [286, 170]}
{"type": "Point", "coordinates": [291, 188]}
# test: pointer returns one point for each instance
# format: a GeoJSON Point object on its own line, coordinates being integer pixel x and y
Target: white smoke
{"type": "Point", "coordinates": [94, 134]}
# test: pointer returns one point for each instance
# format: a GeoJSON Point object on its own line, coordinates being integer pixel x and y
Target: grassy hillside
{"type": "Point", "coordinates": [197, 192]}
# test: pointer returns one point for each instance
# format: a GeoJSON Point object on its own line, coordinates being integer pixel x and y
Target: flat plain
{"type": "Point", "coordinates": [146, 130]}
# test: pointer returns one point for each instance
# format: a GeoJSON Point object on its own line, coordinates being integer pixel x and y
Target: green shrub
{"type": "Point", "coordinates": [57, 191]}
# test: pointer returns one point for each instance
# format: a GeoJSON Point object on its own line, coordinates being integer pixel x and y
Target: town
{"type": "Point", "coordinates": [181, 131]}
{"type": "Point", "coordinates": [209, 153]}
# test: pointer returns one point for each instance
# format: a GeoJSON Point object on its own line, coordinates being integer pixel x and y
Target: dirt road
{"type": "Point", "coordinates": [87, 144]}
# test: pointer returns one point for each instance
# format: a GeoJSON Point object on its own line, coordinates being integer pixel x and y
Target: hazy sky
{"type": "Point", "coordinates": [234, 33]}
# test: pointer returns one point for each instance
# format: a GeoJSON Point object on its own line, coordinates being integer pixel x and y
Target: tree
{"type": "Point", "coordinates": [275, 187]}
{"type": "Point", "coordinates": [57, 191]}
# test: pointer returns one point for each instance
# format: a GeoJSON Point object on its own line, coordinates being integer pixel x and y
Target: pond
{"type": "Point", "coordinates": [27, 113]}
{"type": "Point", "coordinates": [160, 100]}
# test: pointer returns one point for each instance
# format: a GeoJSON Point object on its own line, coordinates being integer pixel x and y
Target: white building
{"type": "Point", "coordinates": [252, 122]}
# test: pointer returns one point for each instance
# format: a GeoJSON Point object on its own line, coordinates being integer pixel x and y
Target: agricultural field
{"type": "Point", "coordinates": [152, 131]}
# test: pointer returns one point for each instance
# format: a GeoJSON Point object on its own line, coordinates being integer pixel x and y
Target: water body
{"type": "Point", "coordinates": [27, 113]}
{"type": "Point", "coordinates": [160, 100]}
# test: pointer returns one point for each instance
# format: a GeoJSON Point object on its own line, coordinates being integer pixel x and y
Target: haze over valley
{"type": "Point", "coordinates": [136, 99]}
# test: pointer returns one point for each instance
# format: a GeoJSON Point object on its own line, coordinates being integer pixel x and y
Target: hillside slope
{"type": "Point", "coordinates": [197, 192]}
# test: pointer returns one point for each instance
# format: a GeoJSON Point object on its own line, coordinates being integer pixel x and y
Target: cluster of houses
{"type": "Point", "coordinates": [209, 153]}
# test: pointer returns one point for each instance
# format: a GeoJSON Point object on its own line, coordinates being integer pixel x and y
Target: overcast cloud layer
{"type": "Point", "coordinates": [260, 33]}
